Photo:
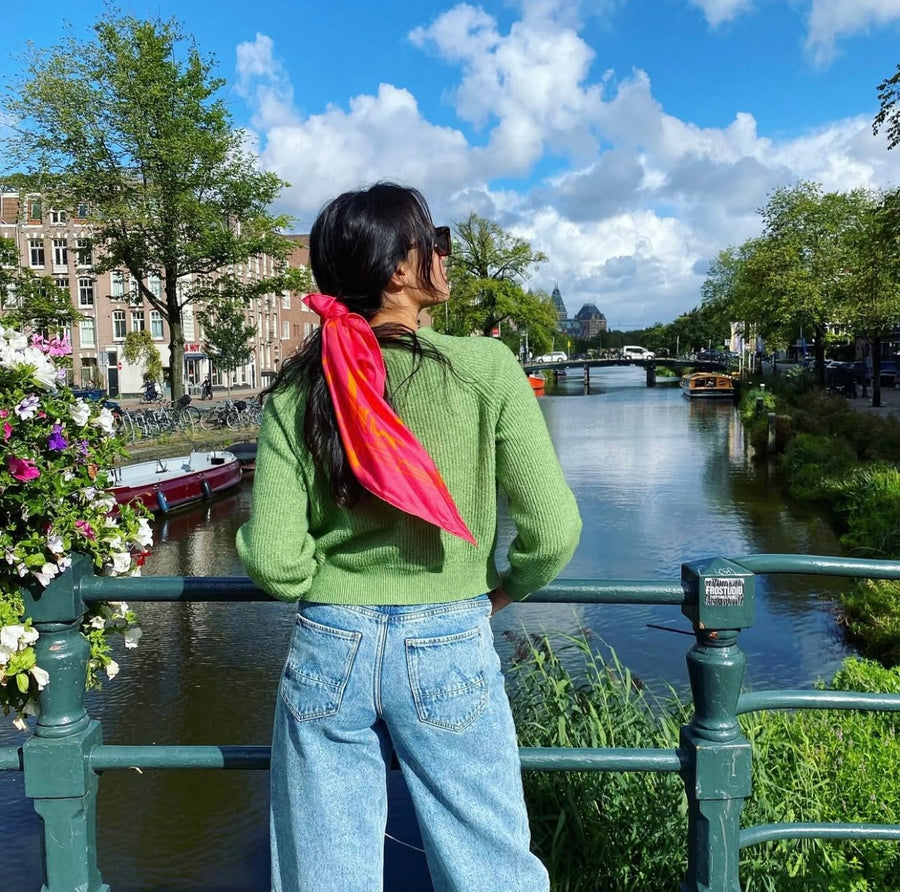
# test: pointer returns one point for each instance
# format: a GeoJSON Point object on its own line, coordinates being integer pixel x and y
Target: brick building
{"type": "Point", "coordinates": [53, 243]}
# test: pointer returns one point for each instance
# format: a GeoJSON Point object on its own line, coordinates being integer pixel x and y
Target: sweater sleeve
{"type": "Point", "coordinates": [274, 544]}
{"type": "Point", "coordinates": [541, 504]}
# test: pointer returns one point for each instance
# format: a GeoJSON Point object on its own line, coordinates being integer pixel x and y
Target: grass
{"type": "Point", "coordinates": [628, 831]}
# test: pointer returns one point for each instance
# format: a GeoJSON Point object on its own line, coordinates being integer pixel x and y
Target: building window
{"type": "Point", "coordinates": [60, 253]}
{"type": "Point", "coordinates": [36, 251]}
{"type": "Point", "coordinates": [82, 211]}
{"type": "Point", "coordinates": [85, 292]}
{"type": "Point", "coordinates": [286, 300]}
{"type": "Point", "coordinates": [285, 330]}
{"type": "Point", "coordinates": [137, 320]}
{"type": "Point", "coordinates": [117, 283]}
{"type": "Point", "coordinates": [84, 252]}
{"type": "Point", "coordinates": [62, 283]}
{"type": "Point", "coordinates": [155, 285]}
{"type": "Point", "coordinates": [86, 332]}
{"type": "Point", "coordinates": [156, 325]}
{"type": "Point", "coordinates": [118, 318]}
{"type": "Point", "coordinates": [134, 292]}
{"type": "Point", "coordinates": [10, 297]}
{"type": "Point", "coordinates": [35, 211]}
{"type": "Point", "coordinates": [58, 216]}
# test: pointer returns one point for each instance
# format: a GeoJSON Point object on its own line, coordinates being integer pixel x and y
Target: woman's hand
{"type": "Point", "coordinates": [499, 599]}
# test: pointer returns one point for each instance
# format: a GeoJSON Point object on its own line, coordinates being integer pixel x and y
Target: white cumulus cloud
{"type": "Point", "coordinates": [831, 19]}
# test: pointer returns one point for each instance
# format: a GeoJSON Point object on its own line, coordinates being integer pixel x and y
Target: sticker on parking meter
{"type": "Point", "coordinates": [721, 591]}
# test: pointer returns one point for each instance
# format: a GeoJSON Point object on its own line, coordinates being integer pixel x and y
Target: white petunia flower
{"type": "Point", "coordinates": [97, 622]}
{"type": "Point", "coordinates": [41, 676]}
{"type": "Point", "coordinates": [5, 654]}
{"type": "Point", "coordinates": [55, 543]}
{"type": "Point", "coordinates": [144, 536]}
{"type": "Point", "coordinates": [105, 422]}
{"type": "Point", "coordinates": [112, 669]}
{"type": "Point", "coordinates": [132, 636]}
{"type": "Point", "coordinates": [80, 412]}
{"type": "Point", "coordinates": [10, 635]}
{"type": "Point", "coordinates": [121, 561]}
{"type": "Point", "coordinates": [29, 636]}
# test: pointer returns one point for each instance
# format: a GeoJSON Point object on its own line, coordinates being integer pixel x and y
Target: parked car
{"type": "Point", "coordinates": [633, 352]}
{"type": "Point", "coordinates": [889, 373]}
{"type": "Point", "coordinates": [556, 356]}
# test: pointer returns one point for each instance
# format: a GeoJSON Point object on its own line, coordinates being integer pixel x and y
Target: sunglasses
{"type": "Point", "coordinates": [443, 246]}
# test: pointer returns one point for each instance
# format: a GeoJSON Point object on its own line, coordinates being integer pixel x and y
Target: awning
{"type": "Point", "coordinates": [195, 356]}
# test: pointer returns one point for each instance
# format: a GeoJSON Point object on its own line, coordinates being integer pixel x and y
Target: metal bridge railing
{"type": "Point", "coordinates": [62, 759]}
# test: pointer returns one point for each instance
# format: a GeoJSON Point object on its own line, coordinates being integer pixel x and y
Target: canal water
{"type": "Point", "coordinates": [659, 481]}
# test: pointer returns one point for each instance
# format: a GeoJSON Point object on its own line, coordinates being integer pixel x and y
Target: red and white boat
{"type": "Point", "coordinates": [168, 483]}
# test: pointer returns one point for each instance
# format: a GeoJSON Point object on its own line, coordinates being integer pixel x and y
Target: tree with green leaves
{"type": "Point", "coordinates": [32, 303]}
{"type": "Point", "coordinates": [870, 279]}
{"type": "Point", "coordinates": [128, 128]}
{"type": "Point", "coordinates": [888, 116]}
{"type": "Point", "coordinates": [486, 273]}
{"type": "Point", "coordinates": [139, 349]}
{"type": "Point", "coordinates": [226, 332]}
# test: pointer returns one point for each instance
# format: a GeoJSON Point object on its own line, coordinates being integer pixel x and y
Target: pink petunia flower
{"type": "Point", "coordinates": [22, 468]}
{"type": "Point", "coordinates": [85, 529]}
{"type": "Point", "coordinates": [7, 430]}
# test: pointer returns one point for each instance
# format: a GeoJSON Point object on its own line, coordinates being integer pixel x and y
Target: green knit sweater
{"type": "Point", "coordinates": [482, 426]}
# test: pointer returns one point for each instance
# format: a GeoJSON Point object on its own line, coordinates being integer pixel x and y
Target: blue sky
{"type": "Point", "coordinates": [629, 140]}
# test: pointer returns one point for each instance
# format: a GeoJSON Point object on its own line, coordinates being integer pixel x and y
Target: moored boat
{"type": "Point", "coordinates": [708, 385]}
{"type": "Point", "coordinates": [168, 483]}
{"type": "Point", "coordinates": [245, 453]}
{"type": "Point", "coordinates": [537, 384]}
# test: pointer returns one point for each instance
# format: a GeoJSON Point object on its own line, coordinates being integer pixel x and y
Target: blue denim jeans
{"type": "Point", "coordinates": [424, 680]}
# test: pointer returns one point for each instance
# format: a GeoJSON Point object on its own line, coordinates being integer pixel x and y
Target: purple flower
{"type": "Point", "coordinates": [28, 407]}
{"type": "Point", "coordinates": [56, 441]}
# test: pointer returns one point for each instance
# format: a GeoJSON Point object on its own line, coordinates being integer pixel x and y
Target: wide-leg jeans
{"type": "Point", "coordinates": [424, 681]}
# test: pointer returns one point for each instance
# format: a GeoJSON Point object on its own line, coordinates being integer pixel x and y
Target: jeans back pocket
{"type": "Point", "coordinates": [447, 675]}
{"type": "Point", "coordinates": [317, 669]}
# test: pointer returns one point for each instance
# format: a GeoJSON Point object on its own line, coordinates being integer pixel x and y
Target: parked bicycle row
{"type": "Point", "coordinates": [181, 417]}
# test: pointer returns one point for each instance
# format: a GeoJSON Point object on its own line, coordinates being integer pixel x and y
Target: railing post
{"type": "Point", "coordinates": [58, 776]}
{"type": "Point", "coordinates": [717, 755]}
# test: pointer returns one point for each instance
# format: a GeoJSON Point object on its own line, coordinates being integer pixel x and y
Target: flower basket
{"type": "Point", "coordinates": [56, 448]}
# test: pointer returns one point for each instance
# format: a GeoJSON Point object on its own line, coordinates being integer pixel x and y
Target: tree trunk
{"type": "Point", "coordinates": [820, 354]}
{"type": "Point", "coordinates": [876, 371]}
{"type": "Point", "coordinates": [176, 338]}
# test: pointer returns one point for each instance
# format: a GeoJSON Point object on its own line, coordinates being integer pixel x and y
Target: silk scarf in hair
{"type": "Point", "coordinates": [384, 454]}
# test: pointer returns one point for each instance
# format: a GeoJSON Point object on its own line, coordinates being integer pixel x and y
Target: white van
{"type": "Point", "coordinates": [632, 352]}
{"type": "Point", "coordinates": [557, 356]}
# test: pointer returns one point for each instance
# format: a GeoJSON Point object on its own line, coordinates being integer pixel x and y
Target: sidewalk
{"type": "Point", "coordinates": [890, 403]}
{"type": "Point", "coordinates": [219, 396]}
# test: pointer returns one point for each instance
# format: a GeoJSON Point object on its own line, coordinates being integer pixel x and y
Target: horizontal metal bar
{"type": "Point", "coordinates": [11, 758]}
{"type": "Point", "coordinates": [614, 591]}
{"type": "Point", "coordinates": [105, 758]}
{"type": "Point", "coordinates": [240, 588]}
{"type": "Point", "coordinates": [170, 588]}
{"type": "Point", "coordinates": [819, 565]}
{"type": "Point", "coordinates": [752, 836]}
{"type": "Point", "coordinates": [612, 759]}
{"type": "Point", "coordinates": [787, 699]}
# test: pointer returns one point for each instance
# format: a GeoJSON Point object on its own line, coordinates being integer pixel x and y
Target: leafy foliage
{"type": "Point", "coordinates": [53, 504]}
{"type": "Point", "coordinates": [486, 272]}
{"type": "Point", "coordinates": [227, 332]}
{"type": "Point", "coordinates": [128, 126]}
{"type": "Point", "coordinates": [140, 349]}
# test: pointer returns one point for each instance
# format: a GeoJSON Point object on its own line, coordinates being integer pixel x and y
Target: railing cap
{"type": "Point", "coordinates": [719, 594]}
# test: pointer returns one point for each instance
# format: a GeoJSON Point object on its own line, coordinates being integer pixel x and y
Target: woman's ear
{"type": "Point", "coordinates": [400, 277]}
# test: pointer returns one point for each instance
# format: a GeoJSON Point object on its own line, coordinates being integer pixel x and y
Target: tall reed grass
{"type": "Point", "coordinates": [606, 832]}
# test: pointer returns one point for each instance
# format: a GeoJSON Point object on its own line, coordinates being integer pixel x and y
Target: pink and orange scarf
{"type": "Point", "coordinates": [385, 456]}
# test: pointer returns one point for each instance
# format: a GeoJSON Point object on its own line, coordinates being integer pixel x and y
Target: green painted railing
{"type": "Point", "coordinates": [62, 758]}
